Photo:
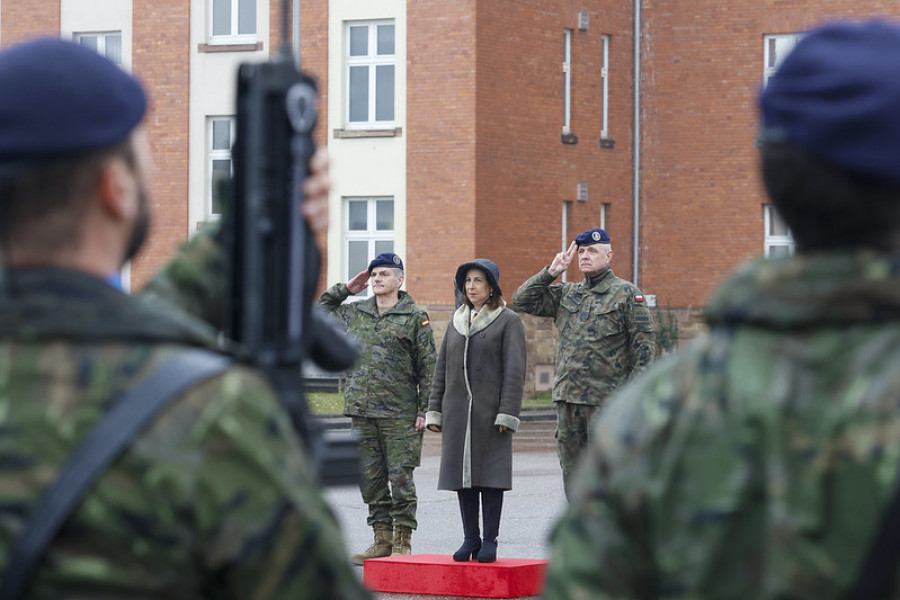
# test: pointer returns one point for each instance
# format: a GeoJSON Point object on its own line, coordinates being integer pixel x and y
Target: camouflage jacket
{"type": "Point", "coordinates": [757, 462]}
{"type": "Point", "coordinates": [392, 376]}
{"type": "Point", "coordinates": [216, 499]}
{"type": "Point", "coordinates": [195, 280]}
{"type": "Point", "coordinates": [605, 332]}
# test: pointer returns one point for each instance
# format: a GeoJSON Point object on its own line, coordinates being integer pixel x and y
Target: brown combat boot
{"type": "Point", "coordinates": [380, 547]}
{"type": "Point", "coordinates": [402, 540]}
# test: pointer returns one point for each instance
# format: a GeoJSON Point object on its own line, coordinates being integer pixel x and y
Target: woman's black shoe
{"type": "Point", "coordinates": [467, 551]}
{"type": "Point", "coordinates": [488, 552]}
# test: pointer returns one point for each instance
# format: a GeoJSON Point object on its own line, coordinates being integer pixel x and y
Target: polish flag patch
{"type": "Point", "coordinates": [638, 298]}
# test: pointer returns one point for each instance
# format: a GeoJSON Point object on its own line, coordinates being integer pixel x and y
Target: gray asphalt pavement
{"type": "Point", "coordinates": [529, 509]}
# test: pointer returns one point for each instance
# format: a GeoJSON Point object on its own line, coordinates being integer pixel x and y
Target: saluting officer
{"type": "Point", "coordinates": [605, 336]}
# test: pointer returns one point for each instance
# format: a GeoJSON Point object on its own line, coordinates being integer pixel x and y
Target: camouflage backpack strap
{"type": "Point", "coordinates": [130, 414]}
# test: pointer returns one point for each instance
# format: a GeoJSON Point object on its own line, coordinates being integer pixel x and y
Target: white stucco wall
{"type": "Point", "coordinates": [94, 16]}
{"type": "Point", "coordinates": [212, 94]}
{"type": "Point", "coordinates": [368, 166]}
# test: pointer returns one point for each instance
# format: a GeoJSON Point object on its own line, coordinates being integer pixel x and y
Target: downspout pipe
{"type": "Point", "coordinates": [295, 30]}
{"type": "Point", "coordinates": [636, 184]}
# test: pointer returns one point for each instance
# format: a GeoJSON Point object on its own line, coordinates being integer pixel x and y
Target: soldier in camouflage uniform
{"type": "Point", "coordinates": [759, 461]}
{"type": "Point", "coordinates": [386, 396]}
{"type": "Point", "coordinates": [217, 497]}
{"type": "Point", "coordinates": [605, 336]}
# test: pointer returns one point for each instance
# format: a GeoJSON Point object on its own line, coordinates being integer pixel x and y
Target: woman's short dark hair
{"type": "Point", "coordinates": [493, 300]}
{"type": "Point", "coordinates": [826, 207]}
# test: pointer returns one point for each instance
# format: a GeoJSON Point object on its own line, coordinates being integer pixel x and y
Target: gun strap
{"type": "Point", "coordinates": [131, 412]}
{"type": "Point", "coordinates": [878, 571]}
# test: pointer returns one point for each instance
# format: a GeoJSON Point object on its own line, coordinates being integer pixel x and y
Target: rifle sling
{"type": "Point", "coordinates": [133, 411]}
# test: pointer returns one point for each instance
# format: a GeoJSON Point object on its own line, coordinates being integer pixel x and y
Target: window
{"type": "Point", "coordinates": [567, 82]}
{"type": "Point", "coordinates": [778, 240]}
{"type": "Point", "coordinates": [220, 134]}
{"type": "Point", "coordinates": [604, 88]}
{"type": "Point", "coordinates": [232, 21]}
{"type": "Point", "coordinates": [371, 62]}
{"type": "Point", "coordinates": [108, 43]}
{"type": "Point", "coordinates": [775, 48]}
{"type": "Point", "coordinates": [369, 231]}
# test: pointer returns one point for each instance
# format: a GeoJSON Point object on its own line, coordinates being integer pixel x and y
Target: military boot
{"type": "Point", "coordinates": [402, 540]}
{"type": "Point", "coordinates": [380, 547]}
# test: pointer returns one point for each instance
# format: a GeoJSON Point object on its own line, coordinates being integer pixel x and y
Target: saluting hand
{"type": "Point", "coordinates": [358, 283]}
{"type": "Point", "coordinates": [562, 259]}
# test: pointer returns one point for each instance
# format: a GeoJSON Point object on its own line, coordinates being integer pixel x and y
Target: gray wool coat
{"type": "Point", "coordinates": [478, 383]}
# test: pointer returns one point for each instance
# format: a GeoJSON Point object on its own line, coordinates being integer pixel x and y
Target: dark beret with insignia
{"type": "Point", "coordinates": [837, 95]}
{"type": "Point", "coordinates": [58, 97]}
{"type": "Point", "coordinates": [386, 259]}
{"type": "Point", "coordinates": [592, 236]}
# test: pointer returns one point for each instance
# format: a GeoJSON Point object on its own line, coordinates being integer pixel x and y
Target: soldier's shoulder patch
{"type": "Point", "coordinates": [639, 298]}
{"type": "Point", "coordinates": [425, 321]}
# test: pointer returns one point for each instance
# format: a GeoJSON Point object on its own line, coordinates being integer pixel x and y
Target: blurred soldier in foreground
{"type": "Point", "coordinates": [760, 461]}
{"type": "Point", "coordinates": [605, 337]}
{"type": "Point", "coordinates": [386, 396]}
{"type": "Point", "coordinates": [216, 498]}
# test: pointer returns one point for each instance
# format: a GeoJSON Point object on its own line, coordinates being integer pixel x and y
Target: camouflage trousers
{"type": "Point", "coordinates": [572, 424]}
{"type": "Point", "coordinates": [389, 450]}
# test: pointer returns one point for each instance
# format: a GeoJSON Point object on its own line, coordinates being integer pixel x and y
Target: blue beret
{"type": "Point", "coordinates": [58, 97]}
{"type": "Point", "coordinates": [592, 236]}
{"type": "Point", "coordinates": [837, 95]}
{"type": "Point", "coordinates": [491, 272]}
{"type": "Point", "coordinates": [386, 259]}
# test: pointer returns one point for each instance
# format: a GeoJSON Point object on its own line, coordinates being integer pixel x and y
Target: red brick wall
{"type": "Point", "coordinates": [702, 201]}
{"type": "Point", "coordinates": [440, 136]}
{"type": "Point", "coordinates": [524, 171]}
{"type": "Point", "coordinates": [487, 173]}
{"type": "Point", "coordinates": [161, 58]}
{"type": "Point", "coordinates": [314, 62]}
{"type": "Point", "coordinates": [24, 19]}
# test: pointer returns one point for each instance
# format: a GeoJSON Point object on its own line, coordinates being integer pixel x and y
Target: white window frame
{"type": "Point", "coordinates": [214, 154]}
{"type": "Point", "coordinates": [103, 41]}
{"type": "Point", "coordinates": [372, 60]}
{"type": "Point", "coordinates": [371, 234]}
{"type": "Point", "coordinates": [567, 82]}
{"type": "Point", "coordinates": [604, 87]}
{"type": "Point", "coordinates": [233, 37]}
{"type": "Point", "coordinates": [775, 48]}
{"type": "Point", "coordinates": [771, 221]}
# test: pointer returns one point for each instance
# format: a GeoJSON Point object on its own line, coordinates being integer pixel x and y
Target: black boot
{"type": "Point", "coordinates": [468, 509]}
{"type": "Point", "coordinates": [491, 507]}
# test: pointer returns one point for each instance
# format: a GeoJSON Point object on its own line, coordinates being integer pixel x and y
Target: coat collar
{"type": "Point", "coordinates": [839, 288]}
{"type": "Point", "coordinates": [600, 282]}
{"type": "Point", "coordinates": [405, 306]}
{"type": "Point", "coordinates": [60, 303]}
{"type": "Point", "coordinates": [484, 318]}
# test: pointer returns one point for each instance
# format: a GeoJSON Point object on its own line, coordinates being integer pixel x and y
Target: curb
{"type": "Point", "coordinates": [533, 415]}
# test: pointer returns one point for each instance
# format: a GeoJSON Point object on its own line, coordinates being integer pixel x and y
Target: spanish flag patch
{"type": "Point", "coordinates": [425, 322]}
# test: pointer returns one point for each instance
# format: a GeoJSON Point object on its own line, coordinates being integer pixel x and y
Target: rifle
{"type": "Point", "coordinates": [274, 258]}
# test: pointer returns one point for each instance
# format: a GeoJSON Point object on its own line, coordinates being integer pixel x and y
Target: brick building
{"type": "Point", "coordinates": [465, 128]}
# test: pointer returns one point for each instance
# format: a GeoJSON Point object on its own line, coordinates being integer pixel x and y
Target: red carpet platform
{"type": "Point", "coordinates": [439, 575]}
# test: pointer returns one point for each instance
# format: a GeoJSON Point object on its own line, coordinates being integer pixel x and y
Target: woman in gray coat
{"type": "Point", "coordinates": [475, 400]}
